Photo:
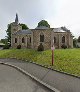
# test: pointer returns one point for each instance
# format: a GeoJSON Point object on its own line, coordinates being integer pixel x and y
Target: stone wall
{"type": "Point", "coordinates": [26, 44]}
{"type": "Point", "coordinates": [33, 40]}
{"type": "Point", "coordinates": [59, 35]}
{"type": "Point", "coordinates": [47, 38]}
{"type": "Point", "coordinates": [14, 28]}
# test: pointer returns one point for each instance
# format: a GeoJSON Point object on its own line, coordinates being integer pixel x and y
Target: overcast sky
{"type": "Point", "coordinates": [57, 12]}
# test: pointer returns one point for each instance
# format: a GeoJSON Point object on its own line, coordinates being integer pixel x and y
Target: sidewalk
{"type": "Point", "coordinates": [62, 82]}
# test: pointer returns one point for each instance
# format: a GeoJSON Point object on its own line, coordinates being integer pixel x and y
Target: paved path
{"type": "Point", "coordinates": [12, 80]}
{"type": "Point", "coordinates": [62, 82]}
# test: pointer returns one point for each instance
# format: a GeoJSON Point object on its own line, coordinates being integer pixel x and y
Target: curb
{"type": "Point", "coordinates": [36, 79]}
{"type": "Point", "coordinates": [45, 66]}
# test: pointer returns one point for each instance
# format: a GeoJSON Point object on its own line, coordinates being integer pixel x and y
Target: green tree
{"type": "Point", "coordinates": [79, 39]}
{"type": "Point", "coordinates": [24, 26]}
{"type": "Point", "coordinates": [75, 42]}
{"type": "Point", "coordinates": [8, 31]}
{"type": "Point", "coordinates": [43, 23]}
{"type": "Point", "coordinates": [4, 41]}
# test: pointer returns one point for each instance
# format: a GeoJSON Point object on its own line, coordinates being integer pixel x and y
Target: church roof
{"type": "Point", "coordinates": [60, 30]}
{"type": "Point", "coordinates": [16, 19]}
{"type": "Point", "coordinates": [28, 31]}
{"type": "Point", "coordinates": [42, 27]}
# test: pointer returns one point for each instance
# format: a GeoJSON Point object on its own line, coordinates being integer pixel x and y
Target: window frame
{"type": "Point", "coordinates": [15, 40]}
{"type": "Point", "coordinates": [54, 39]}
{"type": "Point", "coordinates": [41, 37]}
{"type": "Point", "coordinates": [63, 39]}
{"type": "Point", "coordinates": [23, 40]}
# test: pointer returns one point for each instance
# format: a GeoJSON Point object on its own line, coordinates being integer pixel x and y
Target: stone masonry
{"type": "Point", "coordinates": [31, 38]}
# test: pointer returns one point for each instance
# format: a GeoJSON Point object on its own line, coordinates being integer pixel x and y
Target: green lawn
{"type": "Point", "coordinates": [67, 60]}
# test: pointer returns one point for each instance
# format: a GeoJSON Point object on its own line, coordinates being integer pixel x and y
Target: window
{"type": "Point", "coordinates": [54, 39]}
{"type": "Point", "coordinates": [41, 38]}
{"type": "Point", "coordinates": [15, 40]}
{"type": "Point", "coordinates": [23, 40]}
{"type": "Point", "coordinates": [30, 39]}
{"type": "Point", "coordinates": [63, 39]}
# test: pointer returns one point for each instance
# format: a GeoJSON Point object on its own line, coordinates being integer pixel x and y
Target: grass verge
{"type": "Point", "coordinates": [67, 60]}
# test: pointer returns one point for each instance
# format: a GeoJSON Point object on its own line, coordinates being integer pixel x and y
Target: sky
{"type": "Point", "coordinates": [58, 13]}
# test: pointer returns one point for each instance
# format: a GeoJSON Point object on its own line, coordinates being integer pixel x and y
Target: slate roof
{"type": "Point", "coordinates": [42, 27]}
{"type": "Point", "coordinates": [60, 30]}
{"type": "Point", "coordinates": [28, 31]}
{"type": "Point", "coordinates": [22, 32]}
{"type": "Point", "coordinates": [65, 29]}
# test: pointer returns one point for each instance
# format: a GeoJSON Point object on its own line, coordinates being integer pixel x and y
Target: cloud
{"type": "Point", "coordinates": [56, 12]}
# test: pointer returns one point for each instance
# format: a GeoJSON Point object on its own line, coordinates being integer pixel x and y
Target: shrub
{"type": "Point", "coordinates": [40, 47]}
{"type": "Point", "coordinates": [64, 46]}
{"type": "Point", "coordinates": [6, 46]}
{"type": "Point", "coordinates": [77, 46]}
{"type": "Point", "coordinates": [19, 47]}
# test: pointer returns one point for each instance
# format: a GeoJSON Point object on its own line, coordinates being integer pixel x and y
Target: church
{"type": "Point", "coordinates": [32, 38]}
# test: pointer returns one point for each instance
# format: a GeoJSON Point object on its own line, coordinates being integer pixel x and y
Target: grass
{"type": "Point", "coordinates": [67, 60]}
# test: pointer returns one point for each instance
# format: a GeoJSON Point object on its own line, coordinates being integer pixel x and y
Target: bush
{"type": "Point", "coordinates": [6, 46]}
{"type": "Point", "coordinates": [77, 46]}
{"type": "Point", "coordinates": [40, 47]}
{"type": "Point", "coordinates": [64, 46]}
{"type": "Point", "coordinates": [19, 47]}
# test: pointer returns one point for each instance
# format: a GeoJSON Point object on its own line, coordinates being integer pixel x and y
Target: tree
{"type": "Point", "coordinates": [24, 26]}
{"type": "Point", "coordinates": [8, 31]}
{"type": "Point", "coordinates": [79, 39]}
{"type": "Point", "coordinates": [4, 41]}
{"type": "Point", "coordinates": [75, 42]}
{"type": "Point", "coordinates": [43, 23]}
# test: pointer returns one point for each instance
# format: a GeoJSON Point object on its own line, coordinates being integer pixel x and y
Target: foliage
{"type": "Point", "coordinates": [19, 47]}
{"type": "Point", "coordinates": [75, 42]}
{"type": "Point", "coordinates": [67, 60]}
{"type": "Point", "coordinates": [8, 31]}
{"type": "Point", "coordinates": [40, 47]}
{"type": "Point", "coordinates": [4, 41]}
{"type": "Point", "coordinates": [43, 23]}
{"type": "Point", "coordinates": [64, 46]}
{"type": "Point", "coordinates": [6, 46]}
{"type": "Point", "coordinates": [79, 39]}
{"type": "Point", "coordinates": [24, 26]}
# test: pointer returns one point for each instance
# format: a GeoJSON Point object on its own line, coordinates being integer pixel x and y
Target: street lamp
{"type": "Point", "coordinates": [52, 48]}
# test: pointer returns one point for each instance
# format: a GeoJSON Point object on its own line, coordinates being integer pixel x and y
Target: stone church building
{"type": "Point", "coordinates": [32, 38]}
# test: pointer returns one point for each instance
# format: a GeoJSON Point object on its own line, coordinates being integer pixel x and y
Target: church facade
{"type": "Point", "coordinates": [32, 38]}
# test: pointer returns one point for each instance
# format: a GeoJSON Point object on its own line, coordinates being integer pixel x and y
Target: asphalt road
{"type": "Point", "coordinates": [60, 81]}
{"type": "Point", "coordinates": [11, 80]}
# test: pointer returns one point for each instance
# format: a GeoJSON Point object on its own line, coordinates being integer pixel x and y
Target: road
{"type": "Point", "coordinates": [11, 80]}
{"type": "Point", "coordinates": [60, 81]}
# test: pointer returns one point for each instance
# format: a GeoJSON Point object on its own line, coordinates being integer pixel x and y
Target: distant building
{"type": "Point", "coordinates": [32, 38]}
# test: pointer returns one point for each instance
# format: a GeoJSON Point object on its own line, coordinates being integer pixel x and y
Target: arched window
{"type": "Point", "coordinates": [41, 38]}
{"type": "Point", "coordinates": [23, 41]}
{"type": "Point", "coordinates": [30, 39]}
{"type": "Point", "coordinates": [15, 40]}
{"type": "Point", "coordinates": [63, 39]}
{"type": "Point", "coordinates": [54, 39]}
